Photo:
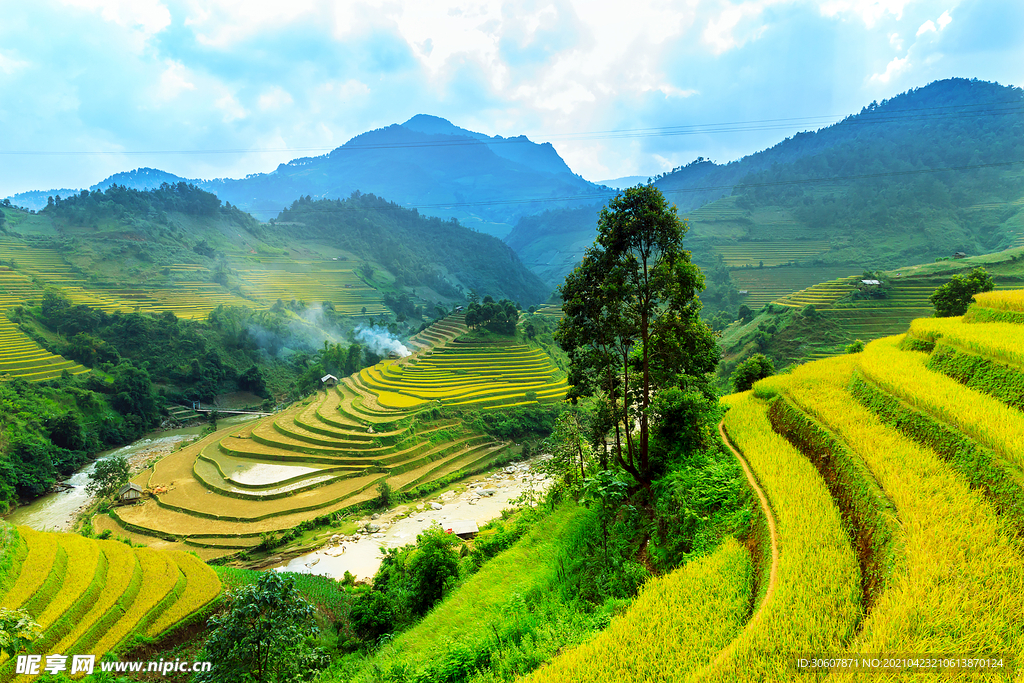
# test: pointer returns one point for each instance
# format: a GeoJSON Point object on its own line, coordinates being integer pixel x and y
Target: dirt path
{"type": "Point", "coordinates": [770, 517]}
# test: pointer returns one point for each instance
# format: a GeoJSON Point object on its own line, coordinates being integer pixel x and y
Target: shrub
{"type": "Point", "coordinates": [955, 296]}
{"type": "Point", "coordinates": [752, 369]}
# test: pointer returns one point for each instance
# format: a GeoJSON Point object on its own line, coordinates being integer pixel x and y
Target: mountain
{"type": "Point", "coordinates": [428, 163]}
{"type": "Point", "coordinates": [625, 181]}
{"type": "Point", "coordinates": [126, 236]}
{"type": "Point", "coordinates": [929, 172]}
{"type": "Point", "coordinates": [429, 252]}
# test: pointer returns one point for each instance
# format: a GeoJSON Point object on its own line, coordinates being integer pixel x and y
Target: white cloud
{"type": "Point", "coordinates": [671, 91]}
{"type": "Point", "coordinates": [274, 98]}
{"type": "Point", "coordinates": [9, 65]}
{"type": "Point", "coordinates": [869, 11]}
{"type": "Point", "coordinates": [944, 20]}
{"type": "Point", "coordinates": [231, 108]}
{"type": "Point", "coordinates": [725, 31]}
{"type": "Point", "coordinates": [893, 68]}
{"type": "Point", "coordinates": [895, 41]}
{"type": "Point", "coordinates": [174, 80]}
{"type": "Point", "coordinates": [927, 27]}
{"type": "Point", "coordinates": [149, 16]}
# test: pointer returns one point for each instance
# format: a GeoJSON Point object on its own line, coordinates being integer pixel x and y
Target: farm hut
{"type": "Point", "coordinates": [744, 292]}
{"type": "Point", "coordinates": [871, 283]}
{"type": "Point", "coordinates": [463, 528]}
{"type": "Point", "coordinates": [129, 492]}
{"type": "Point", "coordinates": [959, 254]}
{"type": "Point", "coordinates": [329, 380]}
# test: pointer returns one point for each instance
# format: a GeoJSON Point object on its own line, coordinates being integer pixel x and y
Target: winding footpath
{"type": "Point", "coordinates": [770, 517]}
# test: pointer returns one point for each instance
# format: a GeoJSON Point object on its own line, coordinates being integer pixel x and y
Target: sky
{"type": "Point", "coordinates": [225, 88]}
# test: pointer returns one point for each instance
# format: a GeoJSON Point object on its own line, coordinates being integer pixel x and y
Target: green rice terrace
{"type": "Point", "coordinates": [97, 596]}
{"type": "Point", "coordinates": [330, 451]}
{"type": "Point", "coordinates": [30, 268]}
{"type": "Point", "coordinates": [906, 295]}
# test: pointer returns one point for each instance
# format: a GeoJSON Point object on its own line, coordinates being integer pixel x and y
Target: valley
{"type": "Point", "coordinates": [457, 348]}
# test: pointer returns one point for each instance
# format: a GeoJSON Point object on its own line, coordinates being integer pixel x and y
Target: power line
{"type": "Point", "coordinates": [706, 188]}
{"type": "Point", "coordinates": [871, 118]}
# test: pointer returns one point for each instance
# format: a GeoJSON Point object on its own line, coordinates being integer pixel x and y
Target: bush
{"type": "Point", "coordinates": [954, 297]}
{"type": "Point", "coordinates": [856, 347]}
{"type": "Point", "coordinates": [752, 369]}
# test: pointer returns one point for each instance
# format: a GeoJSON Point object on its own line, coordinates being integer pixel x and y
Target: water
{"type": "Point", "coordinates": [57, 511]}
{"type": "Point", "coordinates": [363, 557]}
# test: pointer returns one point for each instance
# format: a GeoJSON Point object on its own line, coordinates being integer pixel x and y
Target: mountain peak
{"type": "Point", "coordinates": [435, 125]}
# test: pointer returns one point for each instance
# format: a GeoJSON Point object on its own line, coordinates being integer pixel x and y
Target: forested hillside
{"type": "Point", "coordinates": [442, 255]}
{"type": "Point", "coordinates": [930, 172]}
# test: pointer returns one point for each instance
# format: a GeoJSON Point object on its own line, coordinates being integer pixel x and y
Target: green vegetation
{"type": "Point", "coordinates": [96, 596]}
{"type": "Point", "coordinates": [413, 248]}
{"type": "Point", "coordinates": [17, 631]}
{"type": "Point", "coordinates": [109, 475]}
{"type": "Point", "coordinates": [631, 325]}
{"type": "Point", "coordinates": [749, 371]}
{"type": "Point", "coordinates": [955, 296]}
{"type": "Point", "coordinates": [266, 633]}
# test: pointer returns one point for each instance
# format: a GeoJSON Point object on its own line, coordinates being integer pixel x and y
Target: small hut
{"type": "Point", "coordinates": [129, 492]}
{"type": "Point", "coordinates": [463, 528]}
{"type": "Point", "coordinates": [329, 380]}
{"type": "Point", "coordinates": [959, 254]}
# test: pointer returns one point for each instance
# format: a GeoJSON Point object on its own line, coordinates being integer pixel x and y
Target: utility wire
{"type": "Point", "coordinates": [868, 118]}
{"type": "Point", "coordinates": [706, 188]}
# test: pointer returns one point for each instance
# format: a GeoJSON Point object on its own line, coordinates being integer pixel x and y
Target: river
{"type": "Point", "coordinates": [57, 511]}
{"type": "Point", "coordinates": [361, 555]}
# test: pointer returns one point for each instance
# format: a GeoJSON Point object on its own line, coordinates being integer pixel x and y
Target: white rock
{"type": "Point", "coordinates": [436, 506]}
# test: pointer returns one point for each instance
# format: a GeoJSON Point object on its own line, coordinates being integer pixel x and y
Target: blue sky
{"type": "Point", "coordinates": [222, 88]}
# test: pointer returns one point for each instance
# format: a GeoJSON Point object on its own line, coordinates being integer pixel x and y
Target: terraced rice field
{"type": "Point", "coordinates": [21, 357]}
{"type": "Point", "coordinates": [313, 281]}
{"type": "Point", "coordinates": [767, 285]}
{"type": "Point", "coordinates": [753, 254]}
{"type": "Point", "coordinates": [894, 481]}
{"type": "Point", "coordinates": [468, 374]}
{"type": "Point", "coordinates": [440, 333]}
{"type": "Point", "coordinates": [309, 281]}
{"type": "Point", "coordinates": [954, 578]}
{"type": "Point", "coordinates": [92, 596]}
{"type": "Point", "coordinates": [550, 311]}
{"type": "Point", "coordinates": [330, 451]}
{"type": "Point", "coordinates": [868, 319]}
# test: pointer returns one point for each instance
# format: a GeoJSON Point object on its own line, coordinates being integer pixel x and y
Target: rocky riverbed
{"type": "Point", "coordinates": [482, 500]}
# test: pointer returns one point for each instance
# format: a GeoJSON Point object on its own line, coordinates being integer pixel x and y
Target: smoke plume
{"type": "Point", "coordinates": [380, 341]}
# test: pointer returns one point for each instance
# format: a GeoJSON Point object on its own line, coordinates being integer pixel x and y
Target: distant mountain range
{"type": "Point", "coordinates": [934, 170]}
{"type": "Point", "coordinates": [427, 163]}
{"type": "Point", "coordinates": [900, 181]}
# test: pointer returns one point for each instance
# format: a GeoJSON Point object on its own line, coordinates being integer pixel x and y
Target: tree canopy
{"type": "Point", "coordinates": [955, 296]}
{"type": "Point", "coordinates": [109, 475]}
{"type": "Point", "coordinates": [265, 635]}
{"type": "Point", "coordinates": [750, 370]}
{"type": "Point", "coordinates": [631, 325]}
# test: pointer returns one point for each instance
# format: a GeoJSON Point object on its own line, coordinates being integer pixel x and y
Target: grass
{"type": "Point", "coordinates": [698, 608]}
{"type": "Point", "coordinates": [904, 374]}
{"type": "Point", "coordinates": [530, 567]}
{"type": "Point", "coordinates": [816, 604]}
{"type": "Point", "coordinates": [960, 586]}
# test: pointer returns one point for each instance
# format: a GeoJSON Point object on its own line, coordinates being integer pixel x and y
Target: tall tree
{"type": "Point", "coordinates": [631, 324]}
